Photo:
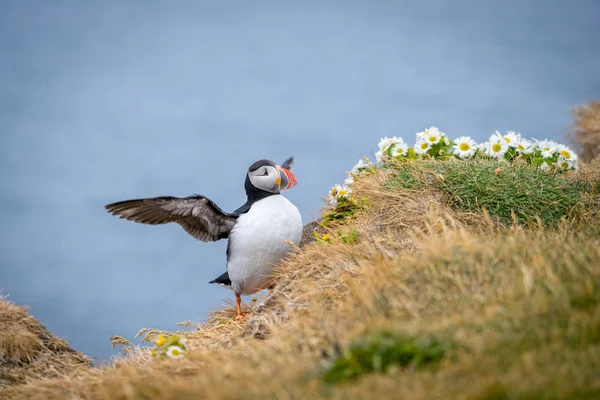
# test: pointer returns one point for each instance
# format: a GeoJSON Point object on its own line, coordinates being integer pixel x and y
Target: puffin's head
{"type": "Point", "coordinates": [270, 177]}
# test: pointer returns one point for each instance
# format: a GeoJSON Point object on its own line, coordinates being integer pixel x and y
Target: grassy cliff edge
{"type": "Point", "coordinates": [426, 285]}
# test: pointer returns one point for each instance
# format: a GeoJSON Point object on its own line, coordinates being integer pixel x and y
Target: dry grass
{"type": "Point", "coordinates": [28, 351]}
{"type": "Point", "coordinates": [515, 309]}
{"type": "Point", "coordinates": [586, 130]}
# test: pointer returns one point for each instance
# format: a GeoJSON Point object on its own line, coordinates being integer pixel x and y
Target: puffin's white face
{"type": "Point", "coordinates": [270, 177]}
{"type": "Point", "coordinates": [266, 178]}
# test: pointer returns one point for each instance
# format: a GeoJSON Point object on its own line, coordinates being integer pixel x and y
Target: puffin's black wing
{"type": "Point", "coordinates": [199, 216]}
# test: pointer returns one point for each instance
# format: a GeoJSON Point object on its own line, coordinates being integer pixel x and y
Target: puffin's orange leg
{"type": "Point", "coordinates": [238, 301]}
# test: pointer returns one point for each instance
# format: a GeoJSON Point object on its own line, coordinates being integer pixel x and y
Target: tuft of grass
{"type": "Point", "coordinates": [346, 209]}
{"type": "Point", "coordinates": [28, 350]}
{"type": "Point", "coordinates": [382, 351]}
{"type": "Point", "coordinates": [349, 238]}
{"type": "Point", "coordinates": [512, 193]}
{"type": "Point", "coordinates": [586, 301]}
{"type": "Point", "coordinates": [585, 132]}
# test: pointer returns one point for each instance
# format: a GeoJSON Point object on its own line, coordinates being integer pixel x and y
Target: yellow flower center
{"type": "Point", "coordinates": [432, 139]}
{"type": "Point", "coordinates": [520, 147]}
{"type": "Point", "coordinates": [507, 140]}
{"type": "Point", "coordinates": [175, 351]}
{"type": "Point", "coordinates": [325, 236]}
{"type": "Point", "coordinates": [161, 340]}
{"type": "Point", "coordinates": [334, 190]}
{"type": "Point", "coordinates": [424, 146]}
{"type": "Point", "coordinates": [565, 154]}
{"type": "Point", "coordinates": [343, 192]}
{"type": "Point", "coordinates": [496, 147]}
{"type": "Point", "coordinates": [153, 353]}
{"type": "Point", "coordinates": [465, 147]}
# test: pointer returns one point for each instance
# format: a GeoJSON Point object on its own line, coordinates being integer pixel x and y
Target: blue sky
{"type": "Point", "coordinates": [105, 101]}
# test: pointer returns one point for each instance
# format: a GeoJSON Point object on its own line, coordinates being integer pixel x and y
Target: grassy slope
{"type": "Point", "coordinates": [28, 350]}
{"type": "Point", "coordinates": [436, 299]}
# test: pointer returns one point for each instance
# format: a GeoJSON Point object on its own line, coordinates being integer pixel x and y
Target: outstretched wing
{"type": "Point", "coordinates": [199, 216]}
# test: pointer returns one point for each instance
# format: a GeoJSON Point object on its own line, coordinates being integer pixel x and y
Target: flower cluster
{"type": "Point", "coordinates": [546, 154]}
{"type": "Point", "coordinates": [341, 193]}
{"type": "Point", "coordinates": [172, 347]}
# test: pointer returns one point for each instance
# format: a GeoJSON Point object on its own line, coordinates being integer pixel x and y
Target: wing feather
{"type": "Point", "coordinates": [197, 215]}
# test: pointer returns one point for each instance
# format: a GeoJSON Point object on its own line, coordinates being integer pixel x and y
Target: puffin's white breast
{"type": "Point", "coordinates": [257, 242]}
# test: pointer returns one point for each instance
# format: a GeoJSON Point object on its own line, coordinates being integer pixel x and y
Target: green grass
{"type": "Point", "coordinates": [346, 208]}
{"type": "Point", "coordinates": [511, 192]}
{"type": "Point", "coordinates": [380, 352]}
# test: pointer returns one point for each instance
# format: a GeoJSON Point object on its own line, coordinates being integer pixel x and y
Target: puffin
{"type": "Point", "coordinates": [260, 233]}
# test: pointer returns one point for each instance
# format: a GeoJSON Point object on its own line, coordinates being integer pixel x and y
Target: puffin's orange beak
{"type": "Point", "coordinates": [290, 178]}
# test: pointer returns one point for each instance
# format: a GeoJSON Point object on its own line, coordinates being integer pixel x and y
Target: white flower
{"type": "Point", "coordinates": [547, 153]}
{"type": "Point", "coordinates": [174, 352]}
{"type": "Point", "coordinates": [563, 163]}
{"type": "Point", "coordinates": [334, 194]}
{"type": "Point", "coordinates": [524, 146]}
{"type": "Point", "coordinates": [335, 190]}
{"type": "Point", "coordinates": [483, 146]}
{"type": "Point", "coordinates": [497, 149]}
{"type": "Point", "coordinates": [386, 142]}
{"type": "Point", "coordinates": [344, 192]}
{"type": "Point", "coordinates": [432, 135]}
{"type": "Point", "coordinates": [574, 165]}
{"type": "Point", "coordinates": [545, 167]}
{"type": "Point", "coordinates": [359, 167]}
{"type": "Point", "coordinates": [464, 147]}
{"type": "Point", "coordinates": [511, 138]}
{"type": "Point", "coordinates": [399, 150]}
{"type": "Point", "coordinates": [496, 137]}
{"type": "Point", "coordinates": [421, 146]}
{"type": "Point", "coordinates": [380, 156]}
{"type": "Point", "coordinates": [516, 135]}
{"type": "Point", "coordinates": [338, 192]}
{"type": "Point", "coordinates": [547, 147]}
{"type": "Point", "coordinates": [565, 152]}
{"type": "Point", "coordinates": [349, 180]}
{"type": "Point", "coordinates": [566, 164]}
